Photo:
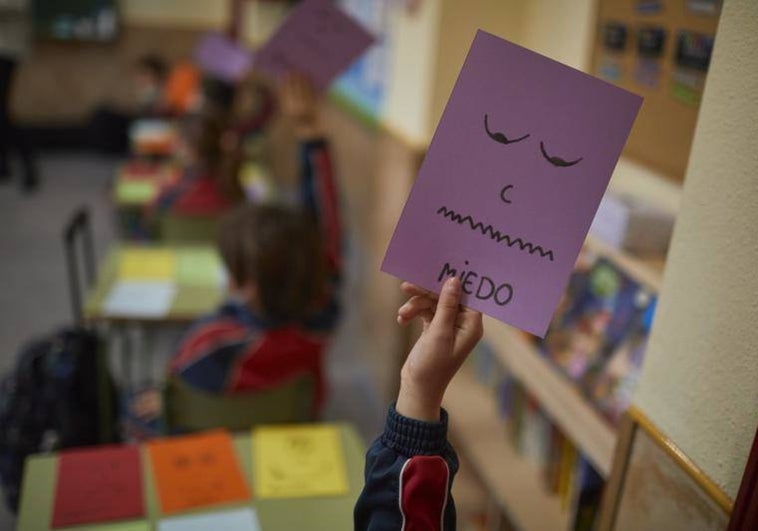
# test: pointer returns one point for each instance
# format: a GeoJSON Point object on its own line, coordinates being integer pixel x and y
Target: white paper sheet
{"type": "Point", "coordinates": [235, 520]}
{"type": "Point", "coordinates": [131, 298]}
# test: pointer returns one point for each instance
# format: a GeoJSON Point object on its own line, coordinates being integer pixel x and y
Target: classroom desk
{"type": "Point", "coordinates": [190, 301]}
{"type": "Point", "coordinates": [303, 514]}
{"type": "Point", "coordinates": [138, 184]}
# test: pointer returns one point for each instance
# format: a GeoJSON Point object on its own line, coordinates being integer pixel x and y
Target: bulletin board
{"type": "Point", "coordinates": [659, 49]}
{"type": "Point", "coordinates": [654, 485]}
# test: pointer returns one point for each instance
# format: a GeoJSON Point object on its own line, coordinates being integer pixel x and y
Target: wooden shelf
{"type": "Point", "coordinates": [513, 480]}
{"type": "Point", "coordinates": [557, 395]}
{"type": "Point", "coordinates": [648, 271]}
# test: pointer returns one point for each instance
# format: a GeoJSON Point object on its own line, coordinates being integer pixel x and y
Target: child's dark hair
{"type": "Point", "coordinates": [154, 64]}
{"type": "Point", "coordinates": [278, 250]}
{"type": "Point", "coordinates": [204, 133]}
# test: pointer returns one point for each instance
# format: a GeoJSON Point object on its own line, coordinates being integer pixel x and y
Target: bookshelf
{"type": "Point", "coordinates": [557, 395]}
{"type": "Point", "coordinates": [479, 433]}
{"type": "Point", "coordinates": [513, 481]}
{"type": "Point", "coordinates": [648, 271]}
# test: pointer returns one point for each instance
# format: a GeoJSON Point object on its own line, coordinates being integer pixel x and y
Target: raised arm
{"type": "Point", "coordinates": [410, 468]}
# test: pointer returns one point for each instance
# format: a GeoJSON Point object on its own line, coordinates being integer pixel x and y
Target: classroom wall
{"type": "Point", "coordinates": [176, 13]}
{"type": "Point", "coordinates": [413, 37]}
{"type": "Point", "coordinates": [700, 378]}
{"type": "Point", "coordinates": [556, 28]}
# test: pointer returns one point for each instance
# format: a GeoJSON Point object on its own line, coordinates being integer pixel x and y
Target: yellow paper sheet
{"type": "Point", "coordinates": [298, 461]}
{"type": "Point", "coordinates": [147, 264]}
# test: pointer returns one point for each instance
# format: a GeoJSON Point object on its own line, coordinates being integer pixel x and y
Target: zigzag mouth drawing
{"type": "Point", "coordinates": [494, 234]}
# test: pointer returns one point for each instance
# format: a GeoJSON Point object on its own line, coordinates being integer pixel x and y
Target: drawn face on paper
{"type": "Point", "coordinates": [518, 165]}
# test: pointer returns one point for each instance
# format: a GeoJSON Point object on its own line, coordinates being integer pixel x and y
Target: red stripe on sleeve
{"type": "Point", "coordinates": [423, 493]}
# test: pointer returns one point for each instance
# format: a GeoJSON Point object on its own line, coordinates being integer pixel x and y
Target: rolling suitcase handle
{"type": "Point", "coordinates": [79, 228]}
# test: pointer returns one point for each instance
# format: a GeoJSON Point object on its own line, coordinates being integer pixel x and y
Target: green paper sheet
{"type": "Point", "coordinates": [135, 192]}
{"type": "Point", "coordinates": [199, 267]}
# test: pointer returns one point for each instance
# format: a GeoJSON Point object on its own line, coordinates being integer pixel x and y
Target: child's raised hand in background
{"type": "Point", "coordinates": [450, 333]}
{"type": "Point", "coordinates": [299, 103]}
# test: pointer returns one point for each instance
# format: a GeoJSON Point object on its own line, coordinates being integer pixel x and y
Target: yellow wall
{"type": "Point", "coordinates": [176, 13]}
{"type": "Point", "coordinates": [459, 22]}
{"type": "Point", "coordinates": [413, 38]}
{"type": "Point", "coordinates": [700, 377]}
{"type": "Point", "coordinates": [556, 28]}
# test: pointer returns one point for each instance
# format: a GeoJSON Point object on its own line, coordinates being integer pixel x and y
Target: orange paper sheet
{"type": "Point", "coordinates": [196, 471]}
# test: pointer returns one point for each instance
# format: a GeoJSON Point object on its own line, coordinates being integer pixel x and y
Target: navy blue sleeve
{"type": "Point", "coordinates": [408, 475]}
{"type": "Point", "coordinates": [319, 198]}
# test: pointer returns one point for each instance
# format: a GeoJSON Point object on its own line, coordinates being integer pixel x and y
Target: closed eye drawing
{"type": "Point", "coordinates": [557, 161]}
{"type": "Point", "coordinates": [500, 137]}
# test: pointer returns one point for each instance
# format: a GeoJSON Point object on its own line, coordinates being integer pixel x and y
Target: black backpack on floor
{"type": "Point", "coordinates": [60, 394]}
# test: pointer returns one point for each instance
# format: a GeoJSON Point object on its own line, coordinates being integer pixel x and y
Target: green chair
{"type": "Point", "coordinates": [175, 228]}
{"type": "Point", "coordinates": [190, 409]}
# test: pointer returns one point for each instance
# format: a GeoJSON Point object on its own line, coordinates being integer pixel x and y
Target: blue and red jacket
{"type": "Point", "coordinates": [409, 473]}
{"type": "Point", "coordinates": [235, 350]}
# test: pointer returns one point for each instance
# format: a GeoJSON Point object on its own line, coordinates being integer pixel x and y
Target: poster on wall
{"type": "Point", "coordinates": [614, 37]}
{"type": "Point", "coordinates": [693, 50]}
{"type": "Point", "coordinates": [365, 82]}
{"type": "Point", "coordinates": [650, 41]}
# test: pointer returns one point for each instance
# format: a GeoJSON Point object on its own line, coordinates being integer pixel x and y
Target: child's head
{"type": "Point", "coordinates": [274, 259]}
{"type": "Point", "coordinates": [150, 75]}
{"type": "Point", "coordinates": [201, 147]}
{"type": "Point", "coordinates": [200, 139]}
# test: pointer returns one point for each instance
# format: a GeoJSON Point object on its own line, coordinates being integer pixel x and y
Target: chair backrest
{"type": "Point", "coordinates": [190, 409]}
{"type": "Point", "coordinates": [177, 228]}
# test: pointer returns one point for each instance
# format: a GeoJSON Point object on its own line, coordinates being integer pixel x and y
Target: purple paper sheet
{"type": "Point", "coordinates": [222, 58]}
{"type": "Point", "coordinates": [510, 184]}
{"type": "Point", "coordinates": [317, 39]}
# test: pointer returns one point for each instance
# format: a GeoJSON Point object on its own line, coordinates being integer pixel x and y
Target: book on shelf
{"type": "Point", "coordinates": [598, 335]}
{"type": "Point", "coordinates": [564, 472]}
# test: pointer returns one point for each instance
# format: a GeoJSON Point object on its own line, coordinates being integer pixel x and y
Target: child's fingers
{"type": "Point", "coordinates": [470, 331]}
{"type": "Point", "coordinates": [416, 304]}
{"type": "Point", "coordinates": [412, 289]}
{"type": "Point", "coordinates": [425, 315]}
{"type": "Point", "coordinates": [415, 307]}
{"type": "Point", "coordinates": [447, 310]}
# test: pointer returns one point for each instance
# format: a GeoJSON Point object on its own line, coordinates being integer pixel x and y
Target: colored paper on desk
{"type": "Point", "coordinates": [317, 39]}
{"type": "Point", "coordinates": [196, 471]}
{"type": "Point", "coordinates": [199, 267]}
{"type": "Point", "coordinates": [221, 57]}
{"type": "Point", "coordinates": [299, 461]}
{"type": "Point", "coordinates": [98, 485]}
{"type": "Point", "coordinates": [236, 520]}
{"type": "Point", "coordinates": [511, 182]}
{"type": "Point", "coordinates": [135, 192]}
{"type": "Point", "coordinates": [146, 264]}
{"type": "Point", "coordinates": [135, 298]}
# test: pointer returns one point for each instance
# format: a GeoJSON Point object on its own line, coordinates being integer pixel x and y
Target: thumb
{"type": "Point", "coordinates": [447, 306]}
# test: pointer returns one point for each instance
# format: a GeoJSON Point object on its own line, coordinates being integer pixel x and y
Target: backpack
{"type": "Point", "coordinates": [60, 395]}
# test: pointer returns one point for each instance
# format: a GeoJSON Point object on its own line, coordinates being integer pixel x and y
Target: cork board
{"type": "Point", "coordinates": [659, 494]}
{"type": "Point", "coordinates": [636, 47]}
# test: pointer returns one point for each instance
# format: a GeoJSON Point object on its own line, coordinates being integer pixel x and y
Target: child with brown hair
{"type": "Point", "coordinates": [284, 267]}
{"type": "Point", "coordinates": [208, 185]}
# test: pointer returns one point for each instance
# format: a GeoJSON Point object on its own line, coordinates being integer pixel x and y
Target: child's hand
{"type": "Point", "coordinates": [299, 103]}
{"type": "Point", "coordinates": [450, 333]}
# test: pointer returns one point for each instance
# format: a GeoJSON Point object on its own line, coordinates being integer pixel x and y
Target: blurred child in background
{"type": "Point", "coordinates": [284, 266]}
{"type": "Point", "coordinates": [208, 185]}
{"type": "Point", "coordinates": [252, 110]}
{"type": "Point", "coordinates": [150, 74]}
